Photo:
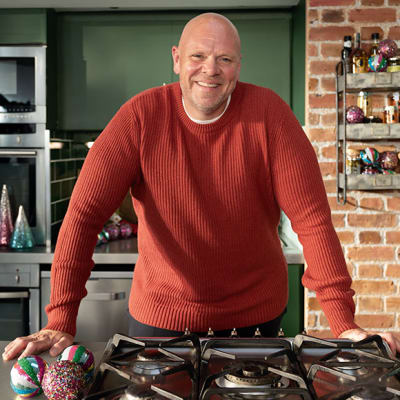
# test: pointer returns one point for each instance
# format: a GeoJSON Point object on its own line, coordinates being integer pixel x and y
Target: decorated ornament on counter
{"type": "Point", "coordinates": [63, 380]}
{"type": "Point", "coordinates": [370, 156]}
{"type": "Point", "coordinates": [354, 115]}
{"type": "Point", "coordinates": [27, 375]}
{"type": "Point", "coordinates": [112, 230]}
{"type": "Point", "coordinates": [388, 160]}
{"type": "Point", "coordinates": [6, 225]}
{"type": "Point", "coordinates": [102, 237]}
{"type": "Point", "coordinates": [125, 229]}
{"type": "Point", "coordinates": [22, 237]}
{"type": "Point", "coordinates": [387, 48]}
{"type": "Point", "coordinates": [82, 356]}
{"type": "Point", "coordinates": [377, 63]}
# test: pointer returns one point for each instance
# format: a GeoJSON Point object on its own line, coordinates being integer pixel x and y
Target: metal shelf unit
{"type": "Point", "coordinates": [353, 83]}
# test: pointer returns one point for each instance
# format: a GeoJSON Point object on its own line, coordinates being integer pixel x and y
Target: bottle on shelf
{"type": "Point", "coordinates": [375, 43]}
{"type": "Point", "coordinates": [391, 112]}
{"type": "Point", "coordinates": [363, 101]}
{"type": "Point", "coordinates": [359, 56]}
{"type": "Point", "coordinates": [346, 54]}
{"type": "Point", "coordinates": [353, 161]}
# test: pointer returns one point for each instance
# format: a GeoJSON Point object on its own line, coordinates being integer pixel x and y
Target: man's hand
{"type": "Point", "coordinates": [359, 334]}
{"type": "Point", "coordinates": [38, 342]}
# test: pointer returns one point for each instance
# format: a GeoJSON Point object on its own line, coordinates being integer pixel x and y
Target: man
{"type": "Point", "coordinates": [210, 162]}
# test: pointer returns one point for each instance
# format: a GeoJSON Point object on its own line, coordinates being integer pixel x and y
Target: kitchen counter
{"type": "Point", "coordinates": [7, 393]}
{"type": "Point", "coordinates": [122, 251]}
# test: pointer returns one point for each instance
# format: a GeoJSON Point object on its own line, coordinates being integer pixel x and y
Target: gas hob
{"type": "Point", "coordinates": [193, 368]}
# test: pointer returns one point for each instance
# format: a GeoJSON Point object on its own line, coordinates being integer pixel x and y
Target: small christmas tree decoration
{"type": "Point", "coordinates": [22, 237]}
{"type": "Point", "coordinates": [6, 225]}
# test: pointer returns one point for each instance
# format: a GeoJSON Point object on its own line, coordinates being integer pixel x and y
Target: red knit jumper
{"type": "Point", "coordinates": [208, 200]}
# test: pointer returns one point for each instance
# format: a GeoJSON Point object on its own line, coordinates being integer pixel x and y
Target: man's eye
{"type": "Point", "coordinates": [226, 59]}
{"type": "Point", "coordinates": [197, 56]}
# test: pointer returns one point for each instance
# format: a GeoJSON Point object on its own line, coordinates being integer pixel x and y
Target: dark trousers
{"type": "Point", "coordinates": [267, 329]}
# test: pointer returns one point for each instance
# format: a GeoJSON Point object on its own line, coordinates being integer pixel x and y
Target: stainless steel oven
{"type": "Point", "coordinates": [19, 300]}
{"type": "Point", "coordinates": [22, 95]}
{"type": "Point", "coordinates": [26, 172]}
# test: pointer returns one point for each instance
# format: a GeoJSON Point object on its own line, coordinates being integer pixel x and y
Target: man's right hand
{"type": "Point", "coordinates": [46, 339]}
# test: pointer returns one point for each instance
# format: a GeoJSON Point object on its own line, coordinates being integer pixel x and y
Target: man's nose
{"type": "Point", "coordinates": [211, 66]}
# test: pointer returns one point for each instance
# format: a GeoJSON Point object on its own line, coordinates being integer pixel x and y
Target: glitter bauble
{"type": "Point", "coordinates": [369, 156]}
{"type": "Point", "coordinates": [125, 230]}
{"type": "Point", "coordinates": [102, 237]}
{"type": "Point", "coordinates": [387, 48]}
{"type": "Point", "coordinates": [112, 230]}
{"type": "Point", "coordinates": [82, 356]}
{"type": "Point", "coordinates": [377, 63]}
{"type": "Point", "coordinates": [63, 380]}
{"type": "Point", "coordinates": [388, 160]}
{"type": "Point", "coordinates": [27, 375]}
{"type": "Point", "coordinates": [354, 115]}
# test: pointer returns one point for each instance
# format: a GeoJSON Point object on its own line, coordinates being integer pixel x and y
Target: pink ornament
{"type": "Point", "coordinates": [112, 230]}
{"type": "Point", "coordinates": [387, 48]}
{"type": "Point", "coordinates": [125, 230]}
{"type": "Point", "coordinates": [6, 225]}
{"type": "Point", "coordinates": [354, 115]}
{"type": "Point", "coordinates": [388, 159]}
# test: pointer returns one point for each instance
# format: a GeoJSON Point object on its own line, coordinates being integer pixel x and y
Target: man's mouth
{"type": "Point", "coordinates": [205, 84]}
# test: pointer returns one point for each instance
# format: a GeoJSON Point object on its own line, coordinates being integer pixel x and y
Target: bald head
{"type": "Point", "coordinates": [207, 60]}
{"type": "Point", "coordinates": [211, 21]}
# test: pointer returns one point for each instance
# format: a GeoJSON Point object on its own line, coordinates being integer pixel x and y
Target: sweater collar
{"type": "Point", "coordinates": [227, 116]}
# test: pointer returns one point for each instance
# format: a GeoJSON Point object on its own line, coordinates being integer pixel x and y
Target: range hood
{"type": "Point", "coordinates": [122, 5]}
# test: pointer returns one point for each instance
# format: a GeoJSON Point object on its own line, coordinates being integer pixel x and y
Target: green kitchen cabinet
{"type": "Point", "coordinates": [293, 320]}
{"type": "Point", "coordinates": [104, 59]}
{"type": "Point", "coordinates": [23, 26]}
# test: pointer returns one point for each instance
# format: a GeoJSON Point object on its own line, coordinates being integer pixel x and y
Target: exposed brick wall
{"type": "Point", "coordinates": [368, 224]}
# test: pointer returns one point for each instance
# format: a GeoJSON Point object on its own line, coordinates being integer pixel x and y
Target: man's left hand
{"type": "Point", "coordinates": [359, 334]}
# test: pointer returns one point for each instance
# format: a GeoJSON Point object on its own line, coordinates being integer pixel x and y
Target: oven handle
{"type": "Point", "coordinates": [14, 295]}
{"type": "Point", "coordinates": [105, 296]}
{"type": "Point", "coordinates": [17, 153]}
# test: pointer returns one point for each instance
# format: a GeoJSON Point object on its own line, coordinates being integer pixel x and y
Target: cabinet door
{"type": "Point", "coordinates": [293, 320]}
{"type": "Point", "coordinates": [104, 59]}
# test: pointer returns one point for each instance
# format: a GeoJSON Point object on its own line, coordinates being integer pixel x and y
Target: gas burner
{"type": "Point", "coordinates": [150, 355]}
{"type": "Point", "coordinates": [251, 374]}
{"type": "Point", "coordinates": [150, 362]}
{"type": "Point", "coordinates": [371, 393]}
{"type": "Point", "coordinates": [348, 357]}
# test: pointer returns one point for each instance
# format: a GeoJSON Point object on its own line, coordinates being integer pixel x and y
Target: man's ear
{"type": "Point", "coordinates": [175, 58]}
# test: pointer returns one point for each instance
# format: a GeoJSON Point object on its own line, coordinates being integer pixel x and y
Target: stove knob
{"type": "Point", "coordinates": [210, 333]}
{"type": "Point", "coordinates": [234, 333]}
{"type": "Point", "coordinates": [187, 332]}
{"type": "Point", "coordinates": [281, 333]}
{"type": "Point", "coordinates": [257, 333]}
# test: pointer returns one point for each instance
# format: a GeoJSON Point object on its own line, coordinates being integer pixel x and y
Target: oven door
{"type": "Point", "coordinates": [25, 172]}
{"type": "Point", "coordinates": [22, 84]}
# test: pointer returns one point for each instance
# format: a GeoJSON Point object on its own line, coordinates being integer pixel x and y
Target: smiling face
{"type": "Point", "coordinates": [208, 63]}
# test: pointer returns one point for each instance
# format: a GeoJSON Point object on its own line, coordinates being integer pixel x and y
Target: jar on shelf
{"type": "Point", "coordinates": [353, 162]}
{"type": "Point", "coordinates": [394, 63]}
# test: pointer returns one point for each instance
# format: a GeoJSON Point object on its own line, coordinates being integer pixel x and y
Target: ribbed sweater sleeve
{"type": "Point", "coordinates": [300, 192]}
{"type": "Point", "coordinates": [112, 162]}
